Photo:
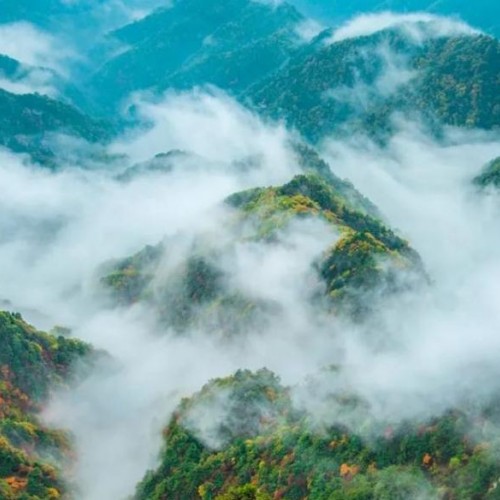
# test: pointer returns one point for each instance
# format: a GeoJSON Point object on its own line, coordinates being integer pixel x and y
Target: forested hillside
{"type": "Point", "coordinates": [367, 257]}
{"type": "Point", "coordinates": [32, 364]}
{"type": "Point", "coordinates": [28, 119]}
{"type": "Point", "coordinates": [272, 452]}
{"type": "Point", "coordinates": [335, 85]}
{"type": "Point", "coordinates": [228, 44]}
{"type": "Point", "coordinates": [274, 227]}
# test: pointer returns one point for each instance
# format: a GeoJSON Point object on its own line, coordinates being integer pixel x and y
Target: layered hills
{"type": "Point", "coordinates": [363, 259]}
{"type": "Point", "coordinates": [308, 250]}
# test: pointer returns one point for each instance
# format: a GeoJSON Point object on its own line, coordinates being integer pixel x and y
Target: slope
{"type": "Point", "coordinates": [258, 446]}
{"type": "Point", "coordinates": [366, 260]}
{"type": "Point", "coordinates": [230, 44]}
{"type": "Point", "coordinates": [32, 364]}
{"type": "Point", "coordinates": [361, 82]}
{"type": "Point", "coordinates": [26, 120]}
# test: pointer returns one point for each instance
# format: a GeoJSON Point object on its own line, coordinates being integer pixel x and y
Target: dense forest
{"type": "Point", "coordinates": [272, 453]}
{"type": "Point", "coordinates": [33, 363]}
{"type": "Point", "coordinates": [274, 228]}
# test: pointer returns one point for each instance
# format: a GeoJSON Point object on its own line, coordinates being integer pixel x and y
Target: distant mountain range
{"type": "Point", "coordinates": [254, 52]}
{"type": "Point", "coordinates": [257, 52]}
{"type": "Point", "coordinates": [258, 442]}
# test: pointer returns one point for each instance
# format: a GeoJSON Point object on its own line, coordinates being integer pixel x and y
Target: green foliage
{"type": "Point", "coordinates": [455, 82]}
{"type": "Point", "coordinates": [31, 364]}
{"type": "Point", "coordinates": [129, 277]}
{"type": "Point", "coordinates": [395, 483]}
{"type": "Point", "coordinates": [27, 118]}
{"type": "Point", "coordinates": [310, 162]}
{"type": "Point", "coordinates": [368, 256]}
{"type": "Point", "coordinates": [285, 458]}
{"type": "Point", "coordinates": [231, 44]}
{"type": "Point", "coordinates": [35, 360]}
{"type": "Point", "coordinates": [490, 177]}
{"type": "Point", "coordinates": [459, 79]}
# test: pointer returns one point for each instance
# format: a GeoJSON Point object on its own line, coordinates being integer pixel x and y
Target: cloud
{"type": "Point", "coordinates": [419, 26]}
{"type": "Point", "coordinates": [112, 14]}
{"type": "Point", "coordinates": [394, 74]}
{"type": "Point", "coordinates": [31, 46]}
{"type": "Point", "coordinates": [57, 228]}
{"type": "Point", "coordinates": [37, 80]}
{"type": "Point", "coordinates": [438, 344]}
{"type": "Point", "coordinates": [212, 125]}
{"type": "Point", "coordinates": [309, 29]}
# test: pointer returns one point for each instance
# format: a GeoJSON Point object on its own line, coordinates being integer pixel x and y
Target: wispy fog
{"type": "Point", "coordinates": [425, 351]}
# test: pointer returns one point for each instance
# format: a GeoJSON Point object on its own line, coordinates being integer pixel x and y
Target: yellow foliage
{"type": "Point", "coordinates": [53, 494]}
{"type": "Point", "coordinates": [202, 491]}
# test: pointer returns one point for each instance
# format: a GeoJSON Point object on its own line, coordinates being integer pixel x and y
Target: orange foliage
{"type": "Point", "coordinates": [348, 471]}
{"type": "Point", "coordinates": [16, 483]}
{"type": "Point", "coordinates": [427, 460]}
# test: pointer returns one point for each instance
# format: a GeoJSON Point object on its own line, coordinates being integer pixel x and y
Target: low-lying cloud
{"type": "Point", "coordinates": [31, 46]}
{"type": "Point", "coordinates": [213, 126]}
{"type": "Point", "coordinates": [419, 26]}
{"type": "Point", "coordinates": [57, 228]}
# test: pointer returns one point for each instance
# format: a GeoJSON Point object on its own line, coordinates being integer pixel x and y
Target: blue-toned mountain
{"type": "Point", "coordinates": [229, 44]}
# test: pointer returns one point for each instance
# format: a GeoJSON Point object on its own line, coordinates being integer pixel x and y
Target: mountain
{"type": "Point", "coordinates": [32, 363]}
{"type": "Point", "coordinates": [27, 119]}
{"type": "Point", "coordinates": [357, 83]}
{"type": "Point", "coordinates": [259, 447]}
{"type": "Point", "coordinates": [367, 260]}
{"type": "Point", "coordinates": [230, 44]}
{"type": "Point", "coordinates": [389, 378]}
{"type": "Point", "coordinates": [490, 177]}
{"type": "Point", "coordinates": [253, 51]}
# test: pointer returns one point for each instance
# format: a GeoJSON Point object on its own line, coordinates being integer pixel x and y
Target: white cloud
{"type": "Point", "coordinates": [213, 126]}
{"type": "Point", "coordinates": [30, 81]}
{"type": "Point", "coordinates": [309, 29]}
{"type": "Point", "coordinates": [56, 228]}
{"type": "Point", "coordinates": [419, 26]}
{"type": "Point", "coordinates": [395, 73]}
{"type": "Point", "coordinates": [438, 344]}
{"type": "Point", "coordinates": [29, 45]}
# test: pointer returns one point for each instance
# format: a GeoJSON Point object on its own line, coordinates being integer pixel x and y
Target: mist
{"type": "Point", "coordinates": [418, 26]}
{"type": "Point", "coordinates": [430, 339]}
{"type": "Point", "coordinates": [439, 345]}
{"type": "Point", "coordinates": [425, 352]}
